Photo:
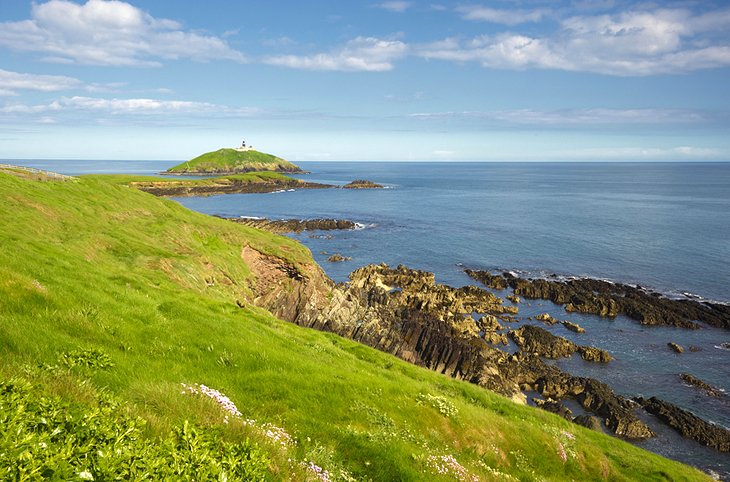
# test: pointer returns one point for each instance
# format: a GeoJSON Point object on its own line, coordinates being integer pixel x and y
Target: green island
{"type": "Point", "coordinates": [234, 161]}
{"type": "Point", "coordinates": [132, 348]}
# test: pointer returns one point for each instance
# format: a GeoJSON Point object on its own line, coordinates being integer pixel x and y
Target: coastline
{"type": "Point", "coordinates": [346, 253]}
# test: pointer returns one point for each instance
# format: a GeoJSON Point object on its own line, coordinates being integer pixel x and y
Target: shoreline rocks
{"type": "Point", "coordinates": [675, 347]}
{"type": "Point", "coordinates": [536, 340]}
{"type": "Point", "coordinates": [362, 184]}
{"type": "Point", "coordinates": [404, 312]}
{"type": "Point", "coordinates": [604, 298]}
{"type": "Point", "coordinates": [701, 385]}
{"type": "Point", "coordinates": [688, 424]}
{"type": "Point", "coordinates": [574, 327]}
{"type": "Point", "coordinates": [338, 258]}
{"type": "Point", "coordinates": [174, 188]}
{"type": "Point", "coordinates": [280, 226]}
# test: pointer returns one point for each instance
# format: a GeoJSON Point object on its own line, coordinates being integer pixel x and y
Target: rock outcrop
{"type": "Point", "coordinates": [404, 312]}
{"type": "Point", "coordinates": [536, 340]}
{"type": "Point", "coordinates": [688, 424]}
{"type": "Point", "coordinates": [280, 226]}
{"type": "Point", "coordinates": [185, 188]}
{"type": "Point", "coordinates": [586, 295]}
{"type": "Point", "coordinates": [574, 327]}
{"type": "Point", "coordinates": [555, 407]}
{"type": "Point", "coordinates": [701, 385]}
{"type": "Point", "coordinates": [546, 318]}
{"type": "Point", "coordinates": [362, 184]}
{"type": "Point", "coordinates": [338, 258]}
{"type": "Point", "coordinates": [675, 347]}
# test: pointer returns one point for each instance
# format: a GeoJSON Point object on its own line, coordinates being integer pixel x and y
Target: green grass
{"type": "Point", "coordinates": [243, 178]}
{"type": "Point", "coordinates": [232, 160]}
{"type": "Point", "coordinates": [120, 295]}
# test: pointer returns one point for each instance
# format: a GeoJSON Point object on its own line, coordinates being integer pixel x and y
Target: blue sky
{"type": "Point", "coordinates": [379, 80]}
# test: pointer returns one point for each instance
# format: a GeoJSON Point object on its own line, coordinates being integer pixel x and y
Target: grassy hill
{"type": "Point", "coordinates": [111, 298]}
{"type": "Point", "coordinates": [232, 161]}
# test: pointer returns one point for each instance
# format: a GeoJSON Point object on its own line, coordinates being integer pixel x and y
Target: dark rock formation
{"type": "Point", "coordinates": [589, 421]}
{"type": "Point", "coordinates": [704, 386]}
{"type": "Point", "coordinates": [594, 396]}
{"type": "Point", "coordinates": [175, 188]}
{"type": "Point", "coordinates": [362, 184]}
{"type": "Point", "coordinates": [604, 298]}
{"type": "Point", "coordinates": [688, 424]}
{"type": "Point", "coordinates": [338, 258]}
{"type": "Point", "coordinates": [555, 407]}
{"type": "Point", "coordinates": [590, 353]}
{"type": "Point", "coordinates": [533, 339]}
{"type": "Point", "coordinates": [489, 326]}
{"type": "Point", "coordinates": [546, 318]}
{"type": "Point", "coordinates": [404, 312]}
{"type": "Point", "coordinates": [676, 348]}
{"type": "Point", "coordinates": [296, 225]}
{"type": "Point", "coordinates": [574, 327]}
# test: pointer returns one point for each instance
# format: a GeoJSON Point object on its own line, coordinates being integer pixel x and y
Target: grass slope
{"type": "Point", "coordinates": [227, 161]}
{"type": "Point", "coordinates": [117, 294]}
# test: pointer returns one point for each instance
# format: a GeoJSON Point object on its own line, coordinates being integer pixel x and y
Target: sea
{"type": "Point", "coordinates": [663, 226]}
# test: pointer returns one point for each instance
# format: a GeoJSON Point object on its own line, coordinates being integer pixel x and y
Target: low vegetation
{"type": "Point", "coordinates": [230, 161]}
{"type": "Point", "coordinates": [124, 354]}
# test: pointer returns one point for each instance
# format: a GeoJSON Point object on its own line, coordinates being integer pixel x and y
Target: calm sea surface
{"type": "Point", "coordinates": [660, 225]}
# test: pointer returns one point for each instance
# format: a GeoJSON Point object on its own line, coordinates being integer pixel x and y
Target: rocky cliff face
{"type": "Point", "coordinates": [404, 312]}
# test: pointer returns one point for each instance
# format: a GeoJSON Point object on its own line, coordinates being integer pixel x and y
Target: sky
{"type": "Point", "coordinates": [511, 80]}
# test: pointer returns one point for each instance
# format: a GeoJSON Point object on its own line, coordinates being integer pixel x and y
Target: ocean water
{"type": "Point", "coordinates": [666, 226]}
{"type": "Point", "coordinates": [661, 225]}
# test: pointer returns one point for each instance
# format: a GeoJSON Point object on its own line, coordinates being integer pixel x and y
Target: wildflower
{"type": "Point", "coordinates": [86, 475]}
{"type": "Point", "coordinates": [319, 472]}
{"type": "Point", "coordinates": [561, 452]}
{"type": "Point", "coordinates": [447, 464]}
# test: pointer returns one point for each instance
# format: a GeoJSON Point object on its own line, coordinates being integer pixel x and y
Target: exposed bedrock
{"type": "Point", "coordinates": [702, 385]}
{"type": "Point", "coordinates": [586, 295]}
{"type": "Point", "coordinates": [688, 424]}
{"type": "Point", "coordinates": [616, 412]}
{"type": "Point", "coordinates": [296, 225]}
{"type": "Point", "coordinates": [533, 339]}
{"type": "Point", "coordinates": [362, 184]}
{"type": "Point", "coordinates": [404, 312]}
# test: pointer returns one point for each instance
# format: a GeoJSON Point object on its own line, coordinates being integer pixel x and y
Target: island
{"type": "Point", "coordinates": [362, 184]}
{"type": "Point", "coordinates": [234, 161]}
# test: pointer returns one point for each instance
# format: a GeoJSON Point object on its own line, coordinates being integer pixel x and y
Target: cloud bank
{"type": "Point", "coordinates": [111, 33]}
{"type": "Point", "coordinates": [633, 43]}
{"type": "Point", "coordinates": [367, 54]}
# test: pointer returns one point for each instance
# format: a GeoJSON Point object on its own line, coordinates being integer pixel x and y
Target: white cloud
{"type": "Point", "coordinates": [643, 153]}
{"type": "Point", "coordinates": [360, 54]}
{"type": "Point", "coordinates": [503, 16]}
{"type": "Point", "coordinates": [633, 43]}
{"type": "Point", "coordinates": [102, 32]}
{"type": "Point", "coordinates": [395, 6]}
{"type": "Point", "coordinates": [135, 106]}
{"type": "Point", "coordinates": [13, 81]}
{"type": "Point", "coordinates": [577, 117]}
